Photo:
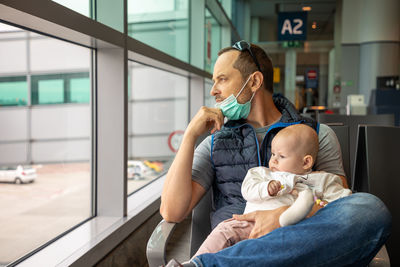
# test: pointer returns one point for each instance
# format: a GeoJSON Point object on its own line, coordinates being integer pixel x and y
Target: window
{"type": "Point", "coordinates": [227, 6]}
{"type": "Point", "coordinates": [13, 91]}
{"type": "Point", "coordinates": [80, 6]}
{"type": "Point", "coordinates": [45, 150]}
{"type": "Point", "coordinates": [158, 115]}
{"type": "Point", "coordinates": [162, 24]}
{"type": "Point", "coordinates": [213, 41]}
{"type": "Point", "coordinates": [209, 100]}
{"type": "Point", "coordinates": [61, 88]}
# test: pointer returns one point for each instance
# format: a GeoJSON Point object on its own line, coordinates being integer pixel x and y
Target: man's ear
{"type": "Point", "coordinates": [257, 81]}
{"type": "Point", "coordinates": [308, 162]}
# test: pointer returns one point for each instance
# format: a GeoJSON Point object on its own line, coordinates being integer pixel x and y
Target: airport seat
{"type": "Point", "coordinates": [352, 121]}
{"type": "Point", "coordinates": [201, 226]}
{"type": "Point", "coordinates": [377, 172]}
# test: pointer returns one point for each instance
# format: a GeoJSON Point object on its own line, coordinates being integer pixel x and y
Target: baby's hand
{"type": "Point", "coordinates": [274, 187]}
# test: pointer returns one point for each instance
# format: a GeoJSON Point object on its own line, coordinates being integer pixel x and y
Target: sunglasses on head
{"type": "Point", "coordinates": [245, 46]}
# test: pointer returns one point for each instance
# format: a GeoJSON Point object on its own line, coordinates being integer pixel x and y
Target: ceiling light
{"type": "Point", "coordinates": [314, 25]}
{"type": "Point", "coordinates": [306, 8]}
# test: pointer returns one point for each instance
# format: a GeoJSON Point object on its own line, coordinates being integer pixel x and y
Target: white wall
{"type": "Point", "coordinates": [158, 107]}
{"type": "Point", "coordinates": [45, 133]}
{"type": "Point", "coordinates": [58, 56]}
{"type": "Point", "coordinates": [13, 124]}
{"type": "Point", "coordinates": [13, 62]}
{"type": "Point", "coordinates": [60, 121]}
{"type": "Point", "coordinates": [61, 151]}
{"type": "Point", "coordinates": [13, 153]}
{"type": "Point", "coordinates": [48, 133]}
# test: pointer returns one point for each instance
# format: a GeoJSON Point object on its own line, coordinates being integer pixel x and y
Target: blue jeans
{"type": "Point", "coordinates": [348, 231]}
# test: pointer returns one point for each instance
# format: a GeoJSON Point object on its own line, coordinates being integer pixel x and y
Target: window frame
{"type": "Point", "coordinates": [112, 222]}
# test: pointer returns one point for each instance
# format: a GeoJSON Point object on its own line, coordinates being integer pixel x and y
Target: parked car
{"type": "Point", "coordinates": [157, 166]}
{"type": "Point", "coordinates": [18, 174]}
{"type": "Point", "coordinates": [137, 170]}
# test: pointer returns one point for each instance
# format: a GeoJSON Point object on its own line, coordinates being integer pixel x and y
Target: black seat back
{"type": "Point", "coordinates": [377, 172]}
{"type": "Point", "coordinates": [352, 121]}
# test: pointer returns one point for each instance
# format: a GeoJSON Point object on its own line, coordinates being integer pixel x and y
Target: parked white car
{"type": "Point", "coordinates": [137, 170]}
{"type": "Point", "coordinates": [17, 174]}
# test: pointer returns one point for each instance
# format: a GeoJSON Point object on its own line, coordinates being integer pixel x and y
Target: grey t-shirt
{"type": "Point", "coordinates": [329, 157]}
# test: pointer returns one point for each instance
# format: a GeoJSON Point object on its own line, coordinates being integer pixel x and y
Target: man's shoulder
{"type": "Point", "coordinates": [324, 130]}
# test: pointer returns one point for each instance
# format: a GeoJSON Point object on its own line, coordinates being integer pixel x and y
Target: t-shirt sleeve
{"type": "Point", "coordinates": [329, 158]}
{"type": "Point", "coordinates": [202, 168]}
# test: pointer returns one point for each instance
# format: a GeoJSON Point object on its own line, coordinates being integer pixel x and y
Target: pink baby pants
{"type": "Point", "coordinates": [226, 234]}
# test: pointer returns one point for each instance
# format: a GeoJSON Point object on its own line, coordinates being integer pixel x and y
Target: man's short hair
{"type": "Point", "coordinates": [246, 65]}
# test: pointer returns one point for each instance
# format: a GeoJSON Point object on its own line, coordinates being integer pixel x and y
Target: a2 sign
{"type": "Point", "coordinates": [292, 26]}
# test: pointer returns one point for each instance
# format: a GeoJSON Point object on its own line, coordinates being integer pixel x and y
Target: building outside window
{"type": "Point", "coordinates": [45, 150]}
{"type": "Point", "coordinates": [158, 115]}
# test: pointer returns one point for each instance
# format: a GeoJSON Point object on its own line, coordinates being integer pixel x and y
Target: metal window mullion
{"type": "Point", "coordinates": [93, 106]}
{"type": "Point", "coordinates": [111, 128]}
{"type": "Point", "coordinates": [29, 100]}
{"type": "Point", "coordinates": [197, 42]}
{"type": "Point", "coordinates": [111, 169]}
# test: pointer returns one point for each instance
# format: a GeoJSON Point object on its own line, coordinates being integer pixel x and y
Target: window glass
{"type": "Point", "coordinates": [213, 41]}
{"type": "Point", "coordinates": [13, 91]}
{"type": "Point", "coordinates": [60, 88]}
{"type": "Point", "coordinates": [158, 115]}
{"type": "Point", "coordinates": [51, 91]}
{"type": "Point", "coordinates": [45, 150]}
{"type": "Point", "coordinates": [209, 100]}
{"type": "Point", "coordinates": [162, 24]}
{"type": "Point", "coordinates": [227, 6]}
{"type": "Point", "coordinates": [80, 90]}
{"type": "Point", "coordinates": [80, 6]}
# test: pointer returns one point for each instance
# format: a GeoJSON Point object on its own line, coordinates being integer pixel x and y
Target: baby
{"type": "Point", "coordinates": [288, 182]}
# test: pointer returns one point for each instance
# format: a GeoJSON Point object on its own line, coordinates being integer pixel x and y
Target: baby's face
{"type": "Point", "coordinates": [285, 156]}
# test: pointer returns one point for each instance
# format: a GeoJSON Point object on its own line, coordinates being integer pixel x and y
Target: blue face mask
{"type": "Point", "coordinates": [232, 109]}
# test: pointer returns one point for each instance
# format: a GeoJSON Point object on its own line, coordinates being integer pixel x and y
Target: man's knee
{"type": "Point", "coordinates": [363, 210]}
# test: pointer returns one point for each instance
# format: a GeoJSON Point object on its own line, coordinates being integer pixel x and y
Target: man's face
{"type": "Point", "coordinates": [227, 79]}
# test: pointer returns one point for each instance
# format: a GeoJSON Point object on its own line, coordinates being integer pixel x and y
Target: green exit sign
{"type": "Point", "coordinates": [295, 44]}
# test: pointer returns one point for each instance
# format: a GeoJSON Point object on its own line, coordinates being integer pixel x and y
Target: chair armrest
{"type": "Point", "coordinates": [381, 259]}
{"type": "Point", "coordinates": [157, 243]}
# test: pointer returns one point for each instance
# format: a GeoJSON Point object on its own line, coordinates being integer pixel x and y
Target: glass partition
{"type": "Point", "coordinates": [45, 150]}
{"type": "Point", "coordinates": [213, 41]}
{"type": "Point", "coordinates": [163, 25]}
{"type": "Point", "coordinates": [158, 115]}
{"type": "Point", "coordinates": [80, 6]}
{"type": "Point", "coordinates": [209, 100]}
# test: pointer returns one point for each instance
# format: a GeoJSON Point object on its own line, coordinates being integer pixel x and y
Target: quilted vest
{"type": "Point", "coordinates": [235, 149]}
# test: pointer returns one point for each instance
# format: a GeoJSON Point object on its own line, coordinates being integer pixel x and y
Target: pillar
{"type": "Point", "coordinates": [290, 75]}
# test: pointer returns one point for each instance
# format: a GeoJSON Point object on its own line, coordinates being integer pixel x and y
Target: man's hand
{"type": "Point", "coordinates": [316, 208]}
{"type": "Point", "coordinates": [274, 187]}
{"type": "Point", "coordinates": [206, 119]}
{"type": "Point", "coordinates": [265, 221]}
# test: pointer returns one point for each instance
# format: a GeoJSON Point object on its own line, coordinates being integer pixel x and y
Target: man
{"type": "Point", "coordinates": [347, 231]}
